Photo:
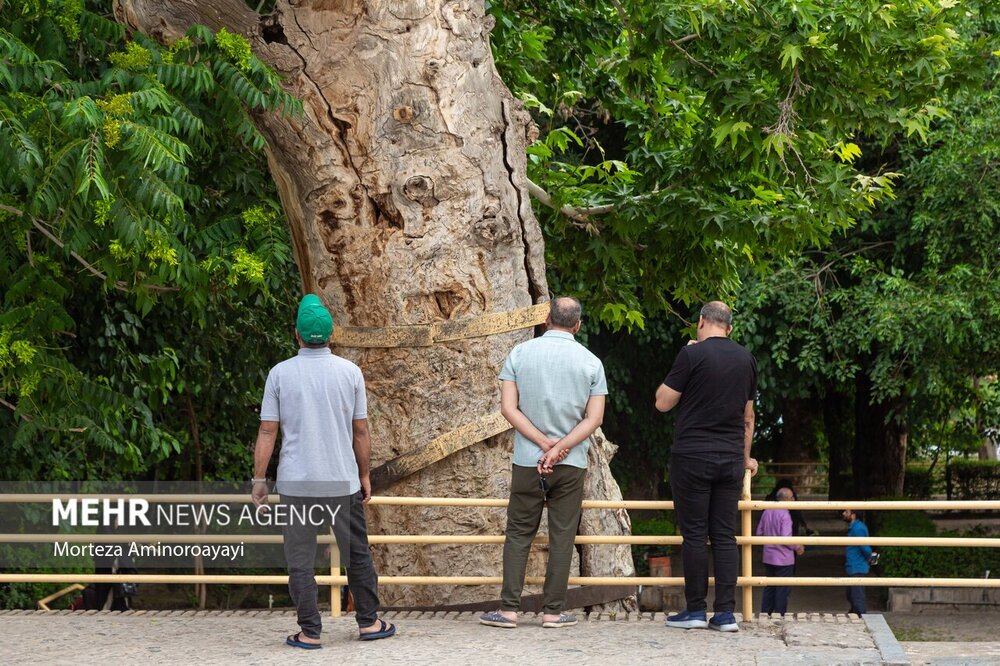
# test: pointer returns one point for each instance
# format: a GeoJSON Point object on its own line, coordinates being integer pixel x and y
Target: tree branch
{"type": "Point", "coordinates": [676, 43]}
{"type": "Point", "coordinates": [13, 408]}
{"type": "Point", "coordinates": [572, 212]}
{"type": "Point", "coordinates": [581, 215]}
{"type": "Point", "coordinates": [168, 21]}
{"type": "Point", "coordinates": [685, 39]}
{"type": "Point", "coordinates": [627, 23]}
{"type": "Point", "coordinates": [37, 224]}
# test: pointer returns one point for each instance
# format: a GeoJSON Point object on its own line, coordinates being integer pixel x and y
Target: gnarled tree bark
{"type": "Point", "coordinates": [405, 189]}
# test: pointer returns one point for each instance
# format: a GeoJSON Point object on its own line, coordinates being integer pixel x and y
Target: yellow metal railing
{"type": "Point", "coordinates": [746, 540]}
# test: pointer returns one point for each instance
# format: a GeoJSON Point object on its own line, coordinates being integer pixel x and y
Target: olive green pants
{"type": "Point", "coordinates": [524, 513]}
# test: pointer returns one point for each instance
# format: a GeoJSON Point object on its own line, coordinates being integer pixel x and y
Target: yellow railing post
{"type": "Point", "coordinates": [335, 610]}
{"type": "Point", "coordinates": [746, 556]}
{"type": "Point", "coordinates": [43, 604]}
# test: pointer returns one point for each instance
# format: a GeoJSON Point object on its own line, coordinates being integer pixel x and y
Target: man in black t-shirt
{"type": "Point", "coordinates": [712, 383]}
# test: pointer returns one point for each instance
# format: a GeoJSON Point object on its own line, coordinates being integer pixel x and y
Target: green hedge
{"type": "Point", "coordinates": [922, 481]}
{"type": "Point", "coordinates": [972, 479]}
{"type": "Point", "coordinates": [900, 523]}
{"type": "Point", "coordinates": [921, 562]}
{"type": "Point", "coordinates": [931, 562]}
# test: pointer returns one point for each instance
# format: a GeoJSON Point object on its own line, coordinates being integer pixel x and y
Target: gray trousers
{"type": "Point", "coordinates": [524, 513]}
{"type": "Point", "coordinates": [351, 532]}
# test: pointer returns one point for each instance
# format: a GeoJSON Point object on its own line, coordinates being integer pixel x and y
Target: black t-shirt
{"type": "Point", "coordinates": [715, 378]}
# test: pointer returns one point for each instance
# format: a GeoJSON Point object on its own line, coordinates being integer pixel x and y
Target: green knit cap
{"type": "Point", "coordinates": [314, 322]}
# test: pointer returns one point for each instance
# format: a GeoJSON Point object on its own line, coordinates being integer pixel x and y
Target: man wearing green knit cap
{"type": "Point", "coordinates": [317, 399]}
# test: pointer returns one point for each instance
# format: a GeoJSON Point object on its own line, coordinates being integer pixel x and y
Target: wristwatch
{"type": "Point", "coordinates": [254, 482]}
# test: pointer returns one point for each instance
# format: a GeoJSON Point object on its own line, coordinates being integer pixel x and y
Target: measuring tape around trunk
{"type": "Point", "coordinates": [425, 335]}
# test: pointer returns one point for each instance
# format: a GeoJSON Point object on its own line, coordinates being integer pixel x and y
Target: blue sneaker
{"type": "Point", "coordinates": [723, 622]}
{"type": "Point", "coordinates": [688, 620]}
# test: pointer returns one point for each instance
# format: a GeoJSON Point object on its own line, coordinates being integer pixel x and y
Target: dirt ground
{"type": "Point", "coordinates": [965, 625]}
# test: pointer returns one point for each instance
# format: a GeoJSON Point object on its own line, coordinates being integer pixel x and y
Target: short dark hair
{"type": "Point", "coordinates": [717, 312]}
{"type": "Point", "coordinates": [564, 311]}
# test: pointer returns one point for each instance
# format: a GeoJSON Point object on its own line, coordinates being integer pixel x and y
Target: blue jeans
{"type": "Point", "coordinates": [856, 596]}
{"type": "Point", "coordinates": [775, 598]}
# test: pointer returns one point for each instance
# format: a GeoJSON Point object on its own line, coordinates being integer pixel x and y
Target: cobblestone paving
{"type": "Point", "coordinates": [257, 637]}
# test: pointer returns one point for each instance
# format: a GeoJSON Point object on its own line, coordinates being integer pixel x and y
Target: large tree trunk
{"type": "Point", "coordinates": [800, 422]}
{"type": "Point", "coordinates": [879, 444]}
{"type": "Point", "coordinates": [404, 186]}
{"type": "Point", "coordinates": [838, 422]}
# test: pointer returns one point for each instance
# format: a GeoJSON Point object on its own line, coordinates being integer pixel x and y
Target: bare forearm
{"type": "Point", "coordinates": [666, 398]}
{"type": "Point", "coordinates": [592, 419]}
{"type": "Point", "coordinates": [362, 452]}
{"type": "Point", "coordinates": [528, 430]}
{"type": "Point", "coordinates": [264, 447]}
{"type": "Point", "coordinates": [748, 425]}
{"type": "Point", "coordinates": [579, 433]}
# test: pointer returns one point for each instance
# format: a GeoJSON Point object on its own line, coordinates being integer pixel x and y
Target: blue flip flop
{"type": "Point", "coordinates": [294, 641]}
{"type": "Point", "coordinates": [384, 631]}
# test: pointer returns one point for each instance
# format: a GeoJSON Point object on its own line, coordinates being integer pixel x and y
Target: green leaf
{"type": "Point", "coordinates": [848, 152]}
{"type": "Point", "coordinates": [89, 171]}
{"type": "Point", "coordinates": [532, 102]}
{"type": "Point", "coordinates": [791, 54]}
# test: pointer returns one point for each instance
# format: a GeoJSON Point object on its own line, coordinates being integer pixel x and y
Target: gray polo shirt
{"type": "Point", "coordinates": [315, 396]}
{"type": "Point", "coordinates": [555, 377]}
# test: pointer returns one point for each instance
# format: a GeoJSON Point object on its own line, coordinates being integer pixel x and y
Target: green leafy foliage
{"type": "Point", "coordinates": [733, 130]}
{"type": "Point", "coordinates": [906, 302]}
{"type": "Point", "coordinates": [141, 246]}
{"type": "Point", "coordinates": [931, 562]}
{"type": "Point", "coordinates": [923, 480]}
{"type": "Point", "coordinates": [901, 523]}
{"type": "Point", "coordinates": [635, 364]}
{"type": "Point", "coordinates": [794, 158]}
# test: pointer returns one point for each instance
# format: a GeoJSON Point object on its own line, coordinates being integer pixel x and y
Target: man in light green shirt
{"type": "Point", "coordinates": [553, 392]}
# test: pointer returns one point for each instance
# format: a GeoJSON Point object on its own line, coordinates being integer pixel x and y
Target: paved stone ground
{"type": "Point", "coordinates": [257, 637]}
{"type": "Point", "coordinates": [950, 654]}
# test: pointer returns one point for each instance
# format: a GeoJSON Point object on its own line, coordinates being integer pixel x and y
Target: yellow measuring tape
{"type": "Point", "coordinates": [425, 335]}
{"type": "Point", "coordinates": [437, 449]}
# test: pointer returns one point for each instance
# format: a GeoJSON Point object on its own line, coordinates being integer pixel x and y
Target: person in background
{"type": "Point", "coordinates": [799, 525]}
{"type": "Point", "coordinates": [779, 560]}
{"type": "Point", "coordinates": [857, 562]}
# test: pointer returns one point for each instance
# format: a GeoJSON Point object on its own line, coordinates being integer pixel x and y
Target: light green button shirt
{"type": "Point", "coordinates": [555, 377]}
